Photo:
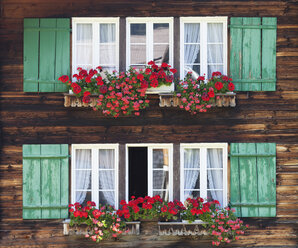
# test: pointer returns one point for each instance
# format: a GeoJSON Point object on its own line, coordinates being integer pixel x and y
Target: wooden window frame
{"type": "Point", "coordinates": [95, 41]}
{"type": "Point", "coordinates": [203, 167]}
{"type": "Point", "coordinates": [150, 147]}
{"type": "Point", "coordinates": [95, 170]}
{"type": "Point", "coordinates": [203, 21]}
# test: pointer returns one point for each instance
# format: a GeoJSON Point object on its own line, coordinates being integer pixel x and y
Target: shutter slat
{"type": "Point", "coordinates": [62, 54]}
{"type": "Point", "coordinates": [269, 54]}
{"type": "Point", "coordinates": [52, 183]}
{"type": "Point", "coordinates": [31, 55]}
{"type": "Point", "coordinates": [253, 179]}
{"type": "Point", "coordinates": [47, 55]}
{"type": "Point", "coordinates": [253, 53]}
{"type": "Point", "coordinates": [251, 50]}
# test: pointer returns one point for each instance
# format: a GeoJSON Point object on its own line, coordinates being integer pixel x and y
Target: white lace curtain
{"type": "Point", "coordinates": [191, 170]}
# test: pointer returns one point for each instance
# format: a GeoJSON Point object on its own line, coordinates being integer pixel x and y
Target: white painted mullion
{"type": "Point", "coordinates": [203, 172]}
{"type": "Point", "coordinates": [149, 41]}
{"type": "Point", "coordinates": [95, 176]}
{"type": "Point", "coordinates": [128, 59]}
{"type": "Point", "coordinates": [182, 50]}
{"type": "Point", "coordinates": [95, 44]}
{"type": "Point", "coordinates": [171, 43]}
{"type": "Point", "coordinates": [74, 48]}
{"type": "Point", "coordinates": [203, 49]}
{"type": "Point", "coordinates": [117, 30]}
{"type": "Point", "coordinates": [225, 176]}
{"type": "Point", "coordinates": [225, 47]}
{"type": "Point", "coordinates": [150, 173]}
{"type": "Point", "coordinates": [116, 171]}
{"type": "Point", "coordinates": [73, 175]}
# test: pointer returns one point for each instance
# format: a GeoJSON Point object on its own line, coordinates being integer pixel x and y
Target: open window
{"type": "Point", "coordinates": [204, 171]}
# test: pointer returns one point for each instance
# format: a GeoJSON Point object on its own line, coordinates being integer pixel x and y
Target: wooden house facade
{"type": "Point", "coordinates": [41, 138]}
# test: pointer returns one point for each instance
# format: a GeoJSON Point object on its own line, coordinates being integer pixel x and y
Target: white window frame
{"type": "Point", "coordinates": [95, 39]}
{"type": "Point", "coordinates": [95, 170]}
{"type": "Point", "coordinates": [203, 167]}
{"type": "Point", "coordinates": [150, 147]}
{"type": "Point", "coordinates": [203, 21]}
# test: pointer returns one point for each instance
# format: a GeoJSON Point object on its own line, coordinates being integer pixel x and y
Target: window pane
{"type": "Point", "coordinates": [161, 158]}
{"type": "Point", "coordinates": [215, 53]}
{"type": "Point", "coordinates": [194, 69]}
{"type": "Point", "coordinates": [215, 32]}
{"type": "Point", "coordinates": [214, 158]}
{"type": "Point", "coordinates": [84, 33]}
{"type": "Point", "coordinates": [106, 179]}
{"type": "Point", "coordinates": [163, 194]}
{"type": "Point", "coordinates": [107, 33]}
{"type": "Point", "coordinates": [191, 179]}
{"type": "Point", "coordinates": [191, 33]}
{"type": "Point", "coordinates": [213, 68]}
{"type": "Point", "coordinates": [191, 194]}
{"type": "Point", "coordinates": [107, 55]}
{"type": "Point", "coordinates": [83, 159]}
{"type": "Point", "coordinates": [82, 197]}
{"type": "Point", "coordinates": [107, 197]}
{"type": "Point", "coordinates": [214, 179]}
{"type": "Point", "coordinates": [161, 33]}
{"type": "Point", "coordinates": [138, 54]}
{"type": "Point", "coordinates": [160, 179]}
{"type": "Point", "coordinates": [161, 54]}
{"type": "Point", "coordinates": [138, 66]}
{"type": "Point", "coordinates": [191, 158]}
{"type": "Point", "coordinates": [215, 195]}
{"type": "Point", "coordinates": [138, 33]}
{"type": "Point", "coordinates": [106, 159]}
{"type": "Point", "coordinates": [191, 54]}
{"type": "Point", "coordinates": [84, 54]}
{"type": "Point", "coordinates": [83, 179]}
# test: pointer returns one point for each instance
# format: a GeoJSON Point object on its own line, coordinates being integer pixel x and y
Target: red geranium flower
{"type": "Point", "coordinates": [218, 85]}
{"type": "Point", "coordinates": [63, 78]}
{"type": "Point", "coordinates": [231, 86]}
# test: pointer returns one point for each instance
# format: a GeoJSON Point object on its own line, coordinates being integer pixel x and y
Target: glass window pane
{"type": "Point", "coordinates": [161, 158]}
{"type": "Point", "coordinates": [164, 194]}
{"type": "Point", "coordinates": [213, 68]}
{"type": "Point", "coordinates": [191, 194]}
{"type": "Point", "coordinates": [161, 54]}
{"type": "Point", "coordinates": [82, 197]}
{"type": "Point", "coordinates": [191, 158]}
{"type": "Point", "coordinates": [214, 158]}
{"type": "Point", "coordinates": [160, 179]}
{"type": "Point", "coordinates": [215, 32]}
{"type": "Point", "coordinates": [138, 54]}
{"type": "Point", "coordinates": [215, 195]}
{"type": "Point", "coordinates": [161, 33]}
{"type": "Point", "coordinates": [83, 179]}
{"type": "Point", "coordinates": [84, 33]}
{"type": "Point", "coordinates": [215, 53]}
{"type": "Point", "coordinates": [191, 179]}
{"type": "Point", "coordinates": [107, 33]}
{"type": "Point", "coordinates": [107, 55]}
{"type": "Point", "coordinates": [84, 54]}
{"type": "Point", "coordinates": [191, 33]}
{"type": "Point", "coordinates": [194, 69]}
{"type": "Point", "coordinates": [106, 158]}
{"type": "Point", "coordinates": [191, 54]}
{"type": "Point", "coordinates": [107, 198]}
{"type": "Point", "coordinates": [138, 66]}
{"type": "Point", "coordinates": [110, 69]}
{"type": "Point", "coordinates": [214, 179]}
{"type": "Point", "coordinates": [106, 179]}
{"type": "Point", "coordinates": [138, 33]}
{"type": "Point", "coordinates": [83, 159]}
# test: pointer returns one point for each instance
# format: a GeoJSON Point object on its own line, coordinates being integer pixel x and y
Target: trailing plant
{"type": "Point", "coordinates": [103, 222]}
{"type": "Point", "coordinates": [197, 96]}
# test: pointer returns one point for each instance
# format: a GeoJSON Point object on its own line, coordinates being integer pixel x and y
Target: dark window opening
{"type": "Point", "coordinates": [138, 171]}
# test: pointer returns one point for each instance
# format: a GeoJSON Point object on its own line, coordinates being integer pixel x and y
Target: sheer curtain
{"type": "Point", "coordinates": [84, 46]}
{"type": "Point", "coordinates": [107, 46]}
{"type": "Point", "coordinates": [107, 176]}
{"type": "Point", "coordinates": [83, 174]}
{"type": "Point", "coordinates": [215, 47]}
{"type": "Point", "coordinates": [215, 173]}
{"type": "Point", "coordinates": [191, 168]}
{"type": "Point", "coordinates": [191, 46]}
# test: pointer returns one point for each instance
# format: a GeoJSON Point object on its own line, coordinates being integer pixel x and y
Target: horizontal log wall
{"type": "Point", "coordinates": [41, 118]}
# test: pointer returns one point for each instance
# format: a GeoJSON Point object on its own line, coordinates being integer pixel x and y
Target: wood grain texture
{"type": "Point", "coordinates": [35, 118]}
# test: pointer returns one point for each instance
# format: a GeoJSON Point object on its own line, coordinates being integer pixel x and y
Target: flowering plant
{"type": "Point", "coordinates": [104, 223]}
{"type": "Point", "coordinates": [196, 96]}
{"type": "Point", "coordinates": [198, 209]}
{"type": "Point", "coordinates": [225, 226]}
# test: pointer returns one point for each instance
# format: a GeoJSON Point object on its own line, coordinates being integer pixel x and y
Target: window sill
{"type": "Point", "coordinates": [135, 228]}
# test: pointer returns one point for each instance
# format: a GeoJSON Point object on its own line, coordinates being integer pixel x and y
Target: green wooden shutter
{"type": "Point", "coordinates": [253, 179]}
{"type": "Point", "coordinates": [253, 53]}
{"type": "Point", "coordinates": [45, 181]}
{"type": "Point", "coordinates": [46, 54]}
